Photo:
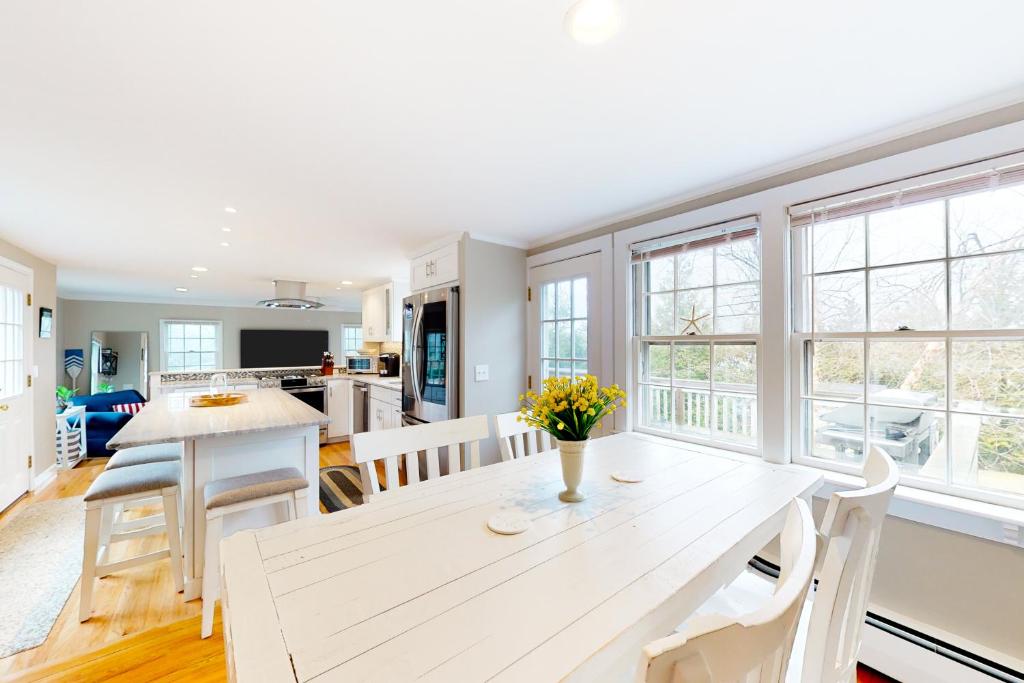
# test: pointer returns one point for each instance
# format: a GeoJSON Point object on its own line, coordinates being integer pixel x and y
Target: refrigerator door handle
{"type": "Point", "coordinates": [417, 324]}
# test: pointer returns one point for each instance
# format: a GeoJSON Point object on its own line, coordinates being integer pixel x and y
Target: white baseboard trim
{"type": "Point", "coordinates": [44, 478]}
{"type": "Point", "coordinates": [912, 663]}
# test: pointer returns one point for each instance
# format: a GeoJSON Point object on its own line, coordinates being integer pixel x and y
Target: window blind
{"type": "Point", "coordinates": [697, 238]}
{"type": "Point", "coordinates": [806, 214]}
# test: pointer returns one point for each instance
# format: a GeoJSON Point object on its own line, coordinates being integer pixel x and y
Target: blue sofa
{"type": "Point", "coordinates": [101, 422]}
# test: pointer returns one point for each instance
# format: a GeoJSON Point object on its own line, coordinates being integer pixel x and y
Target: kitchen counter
{"type": "Point", "coordinates": [394, 383]}
{"type": "Point", "coordinates": [270, 430]}
{"type": "Point", "coordinates": [169, 418]}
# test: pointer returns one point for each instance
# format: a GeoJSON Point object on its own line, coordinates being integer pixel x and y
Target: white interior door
{"type": "Point", "coordinates": [15, 394]}
{"type": "Point", "coordinates": [565, 320]}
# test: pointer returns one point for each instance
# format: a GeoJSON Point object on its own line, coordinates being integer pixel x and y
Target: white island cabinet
{"type": "Point", "coordinates": [271, 429]}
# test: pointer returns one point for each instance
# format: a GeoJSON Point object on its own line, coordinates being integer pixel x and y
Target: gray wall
{"type": "Point", "coordinates": [44, 294]}
{"type": "Point", "coordinates": [493, 312]}
{"type": "Point", "coordinates": [81, 318]}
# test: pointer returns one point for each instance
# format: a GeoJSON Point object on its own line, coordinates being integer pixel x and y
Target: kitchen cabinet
{"type": "Point", "coordinates": [339, 408]}
{"type": "Point", "coordinates": [382, 312]}
{"type": "Point", "coordinates": [380, 415]}
{"type": "Point", "coordinates": [385, 408]}
{"type": "Point", "coordinates": [439, 267]}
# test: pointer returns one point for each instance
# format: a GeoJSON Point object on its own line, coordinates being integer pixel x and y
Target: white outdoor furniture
{"type": "Point", "coordinates": [754, 647]}
{"type": "Point", "coordinates": [236, 494]}
{"type": "Point", "coordinates": [828, 640]}
{"type": "Point", "coordinates": [117, 487]}
{"type": "Point", "coordinates": [71, 437]}
{"type": "Point", "coordinates": [415, 585]}
{"type": "Point", "coordinates": [391, 444]}
{"type": "Point", "coordinates": [517, 439]}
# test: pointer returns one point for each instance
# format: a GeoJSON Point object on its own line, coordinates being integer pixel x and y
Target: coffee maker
{"type": "Point", "coordinates": [388, 364]}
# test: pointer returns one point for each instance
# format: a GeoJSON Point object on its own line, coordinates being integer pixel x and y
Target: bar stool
{"type": "Point", "coordinates": [235, 494]}
{"type": "Point", "coordinates": [125, 485]}
{"type": "Point", "coordinates": [142, 455]}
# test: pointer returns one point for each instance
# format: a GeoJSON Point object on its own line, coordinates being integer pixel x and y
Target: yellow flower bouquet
{"type": "Point", "coordinates": [568, 408]}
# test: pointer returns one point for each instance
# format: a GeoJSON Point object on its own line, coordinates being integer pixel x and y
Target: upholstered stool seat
{"type": "Point", "coordinates": [108, 494]}
{"type": "Point", "coordinates": [142, 455]}
{"type": "Point", "coordinates": [235, 494]}
{"type": "Point", "coordinates": [126, 481]}
{"type": "Point", "coordinates": [231, 490]}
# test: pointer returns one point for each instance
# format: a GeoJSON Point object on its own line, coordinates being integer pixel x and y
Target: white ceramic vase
{"type": "Point", "coordinates": [572, 453]}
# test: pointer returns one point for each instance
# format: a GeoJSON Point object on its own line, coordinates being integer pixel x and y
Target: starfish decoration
{"type": "Point", "coordinates": [692, 322]}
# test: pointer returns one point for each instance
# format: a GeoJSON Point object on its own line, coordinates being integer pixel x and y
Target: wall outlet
{"type": "Point", "coordinates": [483, 373]}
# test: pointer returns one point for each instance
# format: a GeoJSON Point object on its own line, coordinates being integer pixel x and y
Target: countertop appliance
{"type": "Point", "coordinates": [361, 363]}
{"type": "Point", "coordinates": [430, 356]}
{"type": "Point", "coordinates": [360, 407]}
{"type": "Point", "coordinates": [389, 364]}
{"type": "Point", "coordinates": [313, 395]}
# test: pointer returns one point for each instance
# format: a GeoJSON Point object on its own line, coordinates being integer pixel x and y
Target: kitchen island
{"type": "Point", "coordinates": [270, 429]}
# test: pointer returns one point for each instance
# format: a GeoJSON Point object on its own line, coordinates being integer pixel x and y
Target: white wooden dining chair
{"type": "Point", "coordinates": [847, 551]}
{"type": "Point", "coordinates": [517, 439]}
{"type": "Point", "coordinates": [753, 647]}
{"type": "Point", "coordinates": [830, 629]}
{"type": "Point", "coordinates": [391, 444]}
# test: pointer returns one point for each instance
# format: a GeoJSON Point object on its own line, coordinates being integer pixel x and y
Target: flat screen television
{"type": "Point", "coordinates": [282, 348]}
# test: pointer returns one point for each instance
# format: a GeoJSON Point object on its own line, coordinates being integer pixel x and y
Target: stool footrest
{"type": "Point", "coordinates": [105, 569]}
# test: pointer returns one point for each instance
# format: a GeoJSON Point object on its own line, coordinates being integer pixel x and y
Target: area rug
{"type": "Point", "coordinates": [40, 563]}
{"type": "Point", "coordinates": [341, 487]}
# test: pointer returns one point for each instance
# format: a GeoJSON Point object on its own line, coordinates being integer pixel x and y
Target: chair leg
{"type": "Point", "coordinates": [93, 518]}
{"type": "Point", "coordinates": [171, 514]}
{"type": "Point", "coordinates": [211, 572]}
{"type": "Point", "coordinates": [300, 503]}
{"type": "Point", "coordinates": [108, 518]}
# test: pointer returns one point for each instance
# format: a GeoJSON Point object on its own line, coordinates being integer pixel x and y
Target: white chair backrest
{"type": "Point", "coordinates": [850, 532]}
{"type": "Point", "coordinates": [753, 647]}
{"type": "Point", "coordinates": [389, 444]}
{"type": "Point", "coordinates": [517, 439]}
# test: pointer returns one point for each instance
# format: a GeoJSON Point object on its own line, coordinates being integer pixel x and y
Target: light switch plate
{"type": "Point", "coordinates": [483, 373]}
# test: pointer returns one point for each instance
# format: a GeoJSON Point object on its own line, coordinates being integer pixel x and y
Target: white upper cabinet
{"type": "Point", "coordinates": [439, 267]}
{"type": "Point", "coordinates": [382, 312]}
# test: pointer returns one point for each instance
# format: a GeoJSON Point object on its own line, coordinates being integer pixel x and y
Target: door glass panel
{"type": "Point", "coordinates": [12, 359]}
{"type": "Point", "coordinates": [435, 338]}
{"type": "Point", "coordinates": [563, 328]}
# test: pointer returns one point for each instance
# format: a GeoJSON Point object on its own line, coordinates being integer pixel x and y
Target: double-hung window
{"type": "Point", "coordinates": [697, 334]}
{"type": "Point", "coordinates": [190, 345]}
{"type": "Point", "coordinates": [909, 312]}
{"type": "Point", "coordinates": [351, 339]}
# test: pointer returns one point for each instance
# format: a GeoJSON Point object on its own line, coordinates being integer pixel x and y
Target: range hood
{"type": "Point", "coordinates": [290, 294]}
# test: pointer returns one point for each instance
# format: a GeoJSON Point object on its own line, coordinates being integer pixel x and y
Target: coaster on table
{"type": "Point", "coordinates": [509, 523]}
{"type": "Point", "coordinates": [628, 477]}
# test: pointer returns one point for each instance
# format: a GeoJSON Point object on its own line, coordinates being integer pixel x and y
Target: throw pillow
{"type": "Point", "coordinates": [130, 408]}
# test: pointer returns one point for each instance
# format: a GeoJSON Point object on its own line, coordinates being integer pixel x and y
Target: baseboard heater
{"type": "Point", "coordinates": [965, 658]}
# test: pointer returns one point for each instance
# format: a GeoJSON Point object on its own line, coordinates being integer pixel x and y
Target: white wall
{"type": "Point", "coordinates": [81, 318]}
{"type": "Point", "coordinates": [492, 302]}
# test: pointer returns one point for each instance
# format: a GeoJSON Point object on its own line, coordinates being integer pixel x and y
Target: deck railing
{"type": "Point", "coordinates": [734, 415]}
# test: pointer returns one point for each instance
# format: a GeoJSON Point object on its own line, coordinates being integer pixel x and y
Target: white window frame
{"type": "Point", "coordinates": [345, 327]}
{"type": "Point", "coordinates": [164, 323]}
{"type": "Point", "coordinates": [802, 313]}
{"type": "Point", "coordinates": [637, 341]}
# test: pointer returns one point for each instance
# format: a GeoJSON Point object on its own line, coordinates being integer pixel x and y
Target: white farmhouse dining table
{"type": "Point", "coordinates": [415, 586]}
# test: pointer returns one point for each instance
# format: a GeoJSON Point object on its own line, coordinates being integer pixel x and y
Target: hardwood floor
{"type": "Point", "coordinates": [141, 630]}
{"type": "Point", "coordinates": [126, 604]}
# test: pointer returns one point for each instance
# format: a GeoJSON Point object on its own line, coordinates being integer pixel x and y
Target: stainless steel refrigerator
{"type": "Point", "coordinates": [430, 356]}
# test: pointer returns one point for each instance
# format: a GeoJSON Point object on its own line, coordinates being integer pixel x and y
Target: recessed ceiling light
{"type": "Point", "coordinates": [225, 244]}
{"type": "Point", "coordinates": [225, 229]}
{"type": "Point", "coordinates": [194, 276]}
{"type": "Point", "coordinates": [346, 282]}
{"type": "Point", "coordinates": [199, 269]}
{"type": "Point", "coordinates": [181, 289]}
{"type": "Point", "coordinates": [593, 21]}
{"type": "Point", "coordinates": [230, 209]}
{"type": "Point", "coordinates": [338, 288]}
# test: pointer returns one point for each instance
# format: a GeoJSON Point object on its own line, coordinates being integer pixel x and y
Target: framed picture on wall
{"type": "Point", "coordinates": [45, 323]}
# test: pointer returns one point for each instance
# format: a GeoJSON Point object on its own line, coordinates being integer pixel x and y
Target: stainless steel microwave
{"type": "Point", "coordinates": [361, 364]}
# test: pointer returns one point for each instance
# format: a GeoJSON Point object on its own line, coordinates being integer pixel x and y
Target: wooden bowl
{"type": "Point", "coordinates": [216, 400]}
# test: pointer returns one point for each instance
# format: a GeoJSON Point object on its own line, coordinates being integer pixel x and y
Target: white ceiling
{"type": "Point", "coordinates": [349, 133]}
